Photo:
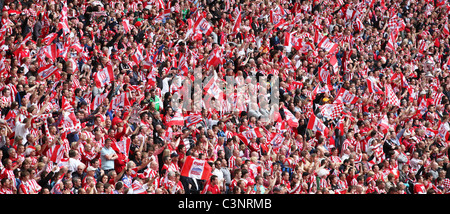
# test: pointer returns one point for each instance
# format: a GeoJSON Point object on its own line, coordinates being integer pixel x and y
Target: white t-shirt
{"type": "Point", "coordinates": [72, 164]}
{"type": "Point", "coordinates": [22, 131]}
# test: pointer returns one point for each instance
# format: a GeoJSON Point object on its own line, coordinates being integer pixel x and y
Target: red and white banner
{"type": "Point", "coordinates": [277, 140]}
{"type": "Point", "coordinates": [212, 88]}
{"type": "Point", "coordinates": [196, 168]}
{"type": "Point", "coordinates": [120, 100]}
{"type": "Point", "coordinates": [47, 40]}
{"type": "Point", "coordinates": [443, 131]}
{"type": "Point", "coordinates": [126, 25]}
{"type": "Point", "coordinates": [122, 146]}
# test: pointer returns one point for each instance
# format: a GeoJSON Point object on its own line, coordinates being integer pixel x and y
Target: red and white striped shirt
{"type": "Point", "coordinates": [29, 187]}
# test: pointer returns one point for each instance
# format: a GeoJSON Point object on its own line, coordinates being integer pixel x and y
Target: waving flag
{"type": "Point", "coordinates": [277, 140]}
{"type": "Point", "coordinates": [325, 77]}
{"type": "Point", "coordinates": [384, 124]}
{"type": "Point", "coordinates": [51, 52]}
{"type": "Point", "coordinates": [391, 96]}
{"type": "Point", "coordinates": [332, 111]}
{"type": "Point", "coordinates": [203, 26]}
{"type": "Point", "coordinates": [346, 97]}
{"type": "Point", "coordinates": [137, 57]}
{"type": "Point", "coordinates": [177, 119]}
{"type": "Point", "coordinates": [69, 122]}
{"type": "Point", "coordinates": [193, 119]}
{"type": "Point", "coordinates": [359, 24]}
{"type": "Point", "coordinates": [215, 58]}
{"type": "Point", "coordinates": [443, 131]}
{"type": "Point", "coordinates": [290, 118]}
{"type": "Point", "coordinates": [126, 25]}
{"type": "Point", "coordinates": [212, 88]}
{"type": "Point", "coordinates": [104, 77]}
{"type": "Point", "coordinates": [122, 146]}
{"type": "Point", "coordinates": [392, 42]}
{"type": "Point", "coordinates": [372, 85]}
{"type": "Point", "coordinates": [183, 65]}
{"type": "Point", "coordinates": [48, 70]}
{"type": "Point", "coordinates": [237, 23]}
{"type": "Point", "coordinates": [98, 100]}
{"type": "Point", "coordinates": [196, 168]}
{"type": "Point", "coordinates": [49, 38]}
{"type": "Point", "coordinates": [317, 125]}
{"type": "Point", "coordinates": [120, 100]}
{"type": "Point", "coordinates": [327, 45]}
{"type": "Point", "coordinates": [65, 104]}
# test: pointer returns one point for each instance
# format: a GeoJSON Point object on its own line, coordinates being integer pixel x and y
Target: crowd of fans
{"type": "Point", "coordinates": [92, 93]}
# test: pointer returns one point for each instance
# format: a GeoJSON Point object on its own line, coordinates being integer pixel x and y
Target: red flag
{"type": "Point", "coordinates": [48, 70]}
{"type": "Point", "coordinates": [177, 119]}
{"type": "Point", "coordinates": [51, 52]}
{"type": "Point", "coordinates": [183, 65]}
{"type": "Point", "coordinates": [290, 118]}
{"type": "Point", "coordinates": [237, 23]}
{"type": "Point", "coordinates": [317, 125]}
{"type": "Point", "coordinates": [196, 168]}
{"type": "Point", "coordinates": [104, 76]}
{"type": "Point", "coordinates": [126, 25]}
{"type": "Point", "coordinates": [372, 86]}
{"type": "Point", "coordinates": [346, 97]}
{"type": "Point", "coordinates": [215, 58]}
{"type": "Point", "coordinates": [391, 96]}
{"type": "Point", "coordinates": [327, 45]}
{"type": "Point", "coordinates": [49, 38]}
{"type": "Point", "coordinates": [287, 38]}
{"type": "Point", "coordinates": [203, 25]}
